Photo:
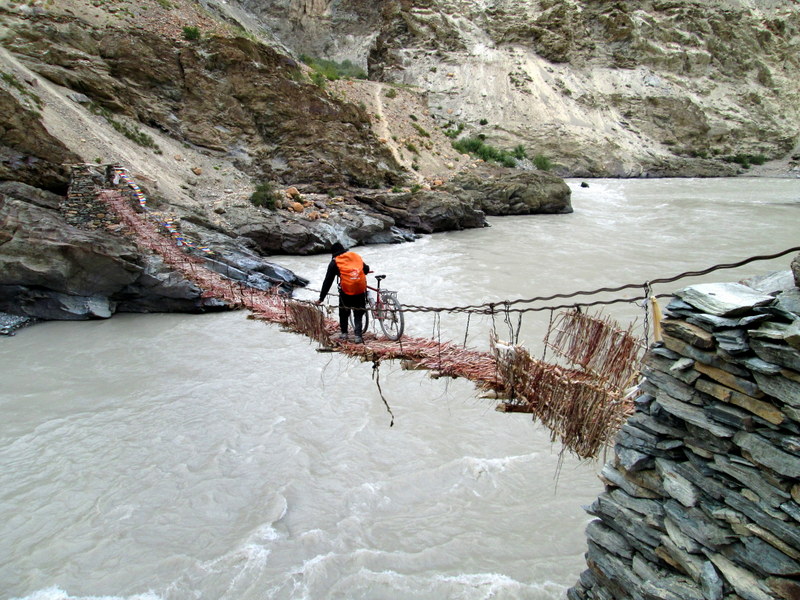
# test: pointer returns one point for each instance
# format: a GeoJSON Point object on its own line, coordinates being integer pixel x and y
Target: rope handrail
{"type": "Point", "coordinates": [505, 305]}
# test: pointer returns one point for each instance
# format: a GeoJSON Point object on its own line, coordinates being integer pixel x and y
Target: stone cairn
{"type": "Point", "coordinates": [702, 496]}
{"type": "Point", "coordinates": [82, 207]}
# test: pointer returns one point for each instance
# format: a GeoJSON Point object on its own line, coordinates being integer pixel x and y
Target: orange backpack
{"type": "Point", "coordinates": [351, 273]}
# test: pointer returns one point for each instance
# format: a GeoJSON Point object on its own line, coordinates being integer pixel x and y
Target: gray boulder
{"type": "Point", "coordinates": [502, 191]}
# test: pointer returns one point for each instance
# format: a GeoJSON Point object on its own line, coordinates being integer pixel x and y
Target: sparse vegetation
{"type": "Point", "coordinates": [421, 130]}
{"type": "Point", "coordinates": [9, 79]}
{"type": "Point", "coordinates": [519, 152]}
{"type": "Point", "coordinates": [133, 133]}
{"type": "Point", "coordinates": [541, 162]}
{"type": "Point", "coordinates": [475, 146]}
{"type": "Point", "coordinates": [746, 160]}
{"type": "Point", "coordinates": [390, 93]}
{"type": "Point", "coordinates": [191, 33]}
{"type": "Point", "coordinates": [332, 70]}
{"type": "Point", "coordinates": [318, 79]}
{"type": "Point", "coordinates": [453, 133]}
{"type": "Point", "coordinates": [483, 122]}
{"type": "Point", "coordinates": [412, 148]}
{"type": "Point", "coordinates": [264, 196]}
{"type": "Point", "coordinates": [165, 4]}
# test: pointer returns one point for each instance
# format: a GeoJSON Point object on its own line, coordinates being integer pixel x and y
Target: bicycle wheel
{"type": "Point", "coordinates": [390, 316]}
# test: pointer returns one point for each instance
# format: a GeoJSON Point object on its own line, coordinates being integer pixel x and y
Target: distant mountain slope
{"type": "Point", "coordinates": [610, 88]}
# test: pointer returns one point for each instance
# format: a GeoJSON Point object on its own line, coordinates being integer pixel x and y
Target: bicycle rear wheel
{"type": "Point", "coordinates": [390, 316]}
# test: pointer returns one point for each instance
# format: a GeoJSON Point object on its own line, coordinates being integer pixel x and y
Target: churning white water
{"type": "Point", "coordinates": [215, 457]}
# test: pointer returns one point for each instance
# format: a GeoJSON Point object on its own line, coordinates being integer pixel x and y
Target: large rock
{"type": "Point", "coordinates": [502, 191]}
{"type": "Point", "coordinates": [426, 211]}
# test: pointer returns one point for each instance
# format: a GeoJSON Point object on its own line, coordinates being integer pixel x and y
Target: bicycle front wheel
{"type": "Point", "coordinates": [390, 317]}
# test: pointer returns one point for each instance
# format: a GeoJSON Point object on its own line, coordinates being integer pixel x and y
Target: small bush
{"type": "Point", "coordinates": [264, 196]}
{"type": "Point", "coordinates": [415, 188]}
{"type": "Point", "coordinates": [519, 152]}
{"type": "Point", "coordinates": [541, 162]}
{"type": "Point", "coordinates": [318, 79]}
{"type": "Point", "coordinates": [390, 93]}
{"type": "Point", "coordinates": [412, 148]}
{"type": "Point", "coordinates": [454, 133]}
{"type": "Point", "coordinates": [332, 70]}
{"type": "Point", "coordinates": [191, 33]}
{"type": "Point", "coordinates": [421, 130]}
{"type": "Point", "coordinates": [475, 146]}
{"type": "Point", "coordinates": [746, 160]}
{"type": "Point", "coordinates": [165, 4]}
{"type": "Point", "coordinates": [483, 122]}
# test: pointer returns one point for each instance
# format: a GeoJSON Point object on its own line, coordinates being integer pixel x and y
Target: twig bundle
{"type": "Point", "coordinates": [580, 413]}
{"type": "Point", "coordinates": [598, 345]}
{"type": "Point", "coordinates": [308, 320]}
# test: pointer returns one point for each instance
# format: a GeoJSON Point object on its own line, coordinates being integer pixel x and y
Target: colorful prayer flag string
{"type": "Point", "coordinates": [180, 239]}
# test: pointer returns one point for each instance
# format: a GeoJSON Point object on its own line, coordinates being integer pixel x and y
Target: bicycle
{"type": "Point", "coordinates": [385, 309]}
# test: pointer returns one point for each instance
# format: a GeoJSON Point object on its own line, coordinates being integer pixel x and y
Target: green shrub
{"type": "Point", "coordinates": [421, 130]}
{"type": "Point", "coordinates": [483, 122]}
{"type": "Point", "coordinates": [318, 79]}
{"type": "Point", "coordinates": [475, 146]}
{"type": "Point", "coordinates": [412, 148]}
{"type": "Point", "coordinates": [332, 70]}
{"type": "Point", "coordinates": [413, 117]}
{"type": "Point", "coordinates": [191, 33]}
{"type": "Point", "coordinates": [390, 93]}
{"type": "Point", "coordinates": [746, 160]}
{"type": "Point", "coordinates": [15, 83]}
{"type": "Point", "coordinates": [264, 196]}
{"type": "Point", "coordinates": [541, 162]}
{"type": "Point", "coordinates": [415, 188]}
{"type": "Point", "coordinates": [519, 152]}
{"type": "Point", "coordinates": [132, 132]}
{"type": "Point", "coordinates": [165, 4]}
{"type": "Point", "coordinates": [454, 133]}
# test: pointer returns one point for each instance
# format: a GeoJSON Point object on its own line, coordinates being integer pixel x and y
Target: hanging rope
{"type": "Point", "coordinates": [376, 375]}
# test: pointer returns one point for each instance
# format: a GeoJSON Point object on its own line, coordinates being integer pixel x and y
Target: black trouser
{"type": "Point", "coordinates": [348, 302]}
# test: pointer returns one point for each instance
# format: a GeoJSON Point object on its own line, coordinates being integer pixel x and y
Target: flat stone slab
{"type": "Point", "coordinates": [724, 299]}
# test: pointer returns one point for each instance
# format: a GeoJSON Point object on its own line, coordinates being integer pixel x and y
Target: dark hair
{"type": "Point", "coordinates": [338, 249]}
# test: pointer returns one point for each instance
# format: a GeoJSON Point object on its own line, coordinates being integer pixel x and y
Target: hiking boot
{"type": "Point", "coordinates": [358, 339]}
{"type": "Point", "coordinates": [342, 337]}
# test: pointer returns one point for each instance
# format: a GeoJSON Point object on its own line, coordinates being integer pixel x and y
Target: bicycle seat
{"type": "Point", "coordinates": [380, 277]}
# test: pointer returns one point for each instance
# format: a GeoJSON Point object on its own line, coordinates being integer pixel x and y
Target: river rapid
{"type": "Point", "coordinates": [176, 457]}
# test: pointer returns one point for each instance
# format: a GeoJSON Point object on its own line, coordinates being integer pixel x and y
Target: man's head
{"type": "Point", "coordinates": [338, 249]}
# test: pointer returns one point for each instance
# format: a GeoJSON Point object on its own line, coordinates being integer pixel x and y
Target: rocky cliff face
{"type": "Point", "coordinates": [604, 88]}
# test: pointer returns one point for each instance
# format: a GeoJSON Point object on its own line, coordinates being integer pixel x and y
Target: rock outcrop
{"type": "Point", "coordinates": [702, 497]}
{"type": "Point", "coordinates": [63, 266]}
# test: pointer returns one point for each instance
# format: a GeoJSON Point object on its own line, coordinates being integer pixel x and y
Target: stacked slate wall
{"type": "Point", "coordinates": [702, 496]}
{"type": "Point", "coordinates": [82, 207]}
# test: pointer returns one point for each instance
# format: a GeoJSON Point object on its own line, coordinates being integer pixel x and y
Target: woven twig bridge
{"type": "Point", "coordinates": [583, 405]}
